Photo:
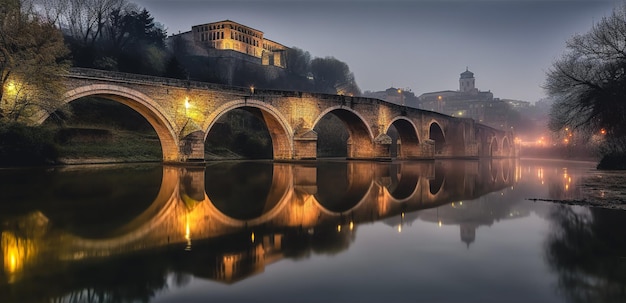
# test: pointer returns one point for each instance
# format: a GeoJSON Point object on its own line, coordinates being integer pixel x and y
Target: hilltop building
{"type": "Point", "coordinates": [468, 102]}
{"type": "Point", "coordinates": [231, 39]}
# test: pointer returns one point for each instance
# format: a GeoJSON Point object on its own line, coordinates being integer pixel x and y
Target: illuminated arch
{"type": "Point", "coordinates": [278, 127]}
{"type": "Point", "coordinates": [361, 135]}
{"type": "Point", "coordinates": [137, 101]}
{"type": "Point", "coordinates": [408, 135]}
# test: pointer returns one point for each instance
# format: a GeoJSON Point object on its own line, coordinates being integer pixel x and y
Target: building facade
{"type": "Point", "coordinates": [468, 102]}
{"type": "Point", "coordinates": [230, 35]}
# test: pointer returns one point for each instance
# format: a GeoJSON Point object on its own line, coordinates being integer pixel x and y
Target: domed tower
{"type": "Point", "coordinates": [467, 81]}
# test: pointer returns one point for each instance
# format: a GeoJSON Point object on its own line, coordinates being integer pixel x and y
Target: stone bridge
{"type": "Point", "coordinates": [183, 112]}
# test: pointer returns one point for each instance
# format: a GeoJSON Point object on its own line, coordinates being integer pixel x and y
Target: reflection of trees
{"type": "Point", "coordinates": [129, 279]}
{"type": "Point", "coordinates": [587, 251]}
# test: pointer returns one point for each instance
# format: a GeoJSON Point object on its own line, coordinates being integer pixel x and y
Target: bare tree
{"type": "Point", "coordinates": [84, 20]}
{"type": "Point", "coordinates": [588, 83]}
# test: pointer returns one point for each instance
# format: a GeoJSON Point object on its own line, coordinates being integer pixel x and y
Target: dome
{"type": "Point", "coordinates": [467, 74]}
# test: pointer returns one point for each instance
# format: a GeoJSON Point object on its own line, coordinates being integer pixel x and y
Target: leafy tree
{"type": "Point", "coordinates": [32, 56]}
{"type": "Point", "coordinates": [298, 61]}
{"type": "Point", "coordinates": [333, 76]}
{"type": "Point", "coordinates": [588, 83]}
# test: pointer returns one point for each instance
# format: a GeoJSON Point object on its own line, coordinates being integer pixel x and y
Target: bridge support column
{"type": "Point", "coordinates": [305, 145]}
{"type": "Point", "coordinates": [382, 147]}
{"type": "Point", "coordinates": [192, 147]}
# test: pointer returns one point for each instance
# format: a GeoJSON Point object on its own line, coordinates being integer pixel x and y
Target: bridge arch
{"type": "Point", "coordinates": [360, 142]}
{"type": "Point", "coordinates": [494, 147]}
{"type": "Point", "coordinates": [506, 147]}
{"type": "Point", "coordinates": [137, 101]}
{"type": "Point", "coordinates": [408, 136]}
{"type": "Point", "coordinates": [279, 129]}
{"type": "Point", "coordinates": [435, 133]}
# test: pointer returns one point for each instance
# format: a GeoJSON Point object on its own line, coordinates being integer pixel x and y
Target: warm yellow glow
{"type": "Point", "coordinates": [460, 202]}
{"type": "Point", "coordinates": [252, 89]}
{"type": "Point", "coordinates": [252, 237]}
{"type": "Point", "coordinates": [338, 228]}
{"type": "Point", "coordinates": [460, 113]}
{"type": "Point", "coordinates": [399, 228]}
{"type": "Point", "coordinates": [187, 104]}
{"type": "Point", "coordinates": [17, 253]}
{"type": "Point", "coordinates": [603, 131]}
{"type": "Point", "coordinates": [351, 225]}
{"type": "Point", "coordinates": [402, 215]}
{"type": "Point", "coordinates": [11, 87]}
{"type": "Point", "coordinates": [439, 98]}
{"type": "Point", "coordinates": [187, 233]}
{"type": "Point", "coordinates": [440, 223]}
{"type": "Point", "coordinates": [399, 91]}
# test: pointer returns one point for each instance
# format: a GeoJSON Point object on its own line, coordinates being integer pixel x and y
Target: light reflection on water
{"type": "Point", "coordinates": [453, 231]}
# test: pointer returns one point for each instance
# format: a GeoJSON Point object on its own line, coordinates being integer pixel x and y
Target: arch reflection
{"type": "Point", "coordinates": [233, 218]}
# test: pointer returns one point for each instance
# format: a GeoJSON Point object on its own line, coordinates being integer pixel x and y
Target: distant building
{"type": "Point", "coordinates": [468, 102]}
{"type": "Point", "coordinates": [401, 96]}
{"type": "Point", "coordinates": [231, 39]}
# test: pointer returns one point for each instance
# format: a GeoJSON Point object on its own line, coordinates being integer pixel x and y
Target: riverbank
{"type": "Point", "coordinates": [597, 188]}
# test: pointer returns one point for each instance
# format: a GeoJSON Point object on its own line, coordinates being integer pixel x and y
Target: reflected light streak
{"type": "Point", "coordinates": [187, 233]}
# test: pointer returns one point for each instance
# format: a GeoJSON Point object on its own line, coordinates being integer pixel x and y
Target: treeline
{"type": "Point", "coordinates": [118, 35]}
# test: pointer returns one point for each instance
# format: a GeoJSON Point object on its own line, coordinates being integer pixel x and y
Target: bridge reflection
{"type": "Point", "coordinates": [227, 221]}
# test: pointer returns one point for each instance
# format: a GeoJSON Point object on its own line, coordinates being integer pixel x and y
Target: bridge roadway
{"type": "Point", "coordinates": [300, 198]}
{"type": "Point", "coordinates": [183, 112]}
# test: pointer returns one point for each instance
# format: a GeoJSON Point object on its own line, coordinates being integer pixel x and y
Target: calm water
{"type": "Point", "coordinates": [444, 231]}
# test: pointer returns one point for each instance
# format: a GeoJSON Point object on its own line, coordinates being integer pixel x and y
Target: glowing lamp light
{"type": "Point", "coordinates": [338, 228]}
{"type": "Point", "coordinates": [252, 89]}
{"type": "Point", "coordinates": [252, 237]}
{"type": "Point", "coordinates": [187, 105]}
{"type": "Point", "coordinates": [11, 87]}
{"type": "Point", "coordinates": [603, 131]}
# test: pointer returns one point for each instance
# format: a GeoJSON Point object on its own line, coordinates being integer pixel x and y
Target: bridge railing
{"type": "Point", "coordinates": [87, 73]}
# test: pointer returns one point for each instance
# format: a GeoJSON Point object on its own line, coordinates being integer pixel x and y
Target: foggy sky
{"type": "Point", "coordinates": [421, 45]}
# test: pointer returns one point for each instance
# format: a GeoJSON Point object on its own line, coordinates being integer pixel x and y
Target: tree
{"type": "Point", "coordinates": [588, 84]}
{"type": "Point", "coordinates": [333, 76]}
{"type": "Point", "coordinates": [32, 56]}
{"type": "Point", "coordinates": [298, 61]}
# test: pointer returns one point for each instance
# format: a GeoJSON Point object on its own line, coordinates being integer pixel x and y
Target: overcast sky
{"type": "Point", "coordinates": [422, 45]}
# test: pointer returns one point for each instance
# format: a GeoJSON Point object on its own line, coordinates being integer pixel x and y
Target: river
{"type": "Point", "coordinates": [325, 231]}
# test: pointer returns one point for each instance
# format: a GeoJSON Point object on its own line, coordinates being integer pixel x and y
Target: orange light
{"type": "Point", "coordinates": [603, 131]}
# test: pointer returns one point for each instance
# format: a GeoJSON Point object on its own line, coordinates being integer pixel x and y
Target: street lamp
{"type": "Point", "coordinates": [187, 105]}
{"type": "Point", "coordinates": [401, 99]}
{"type": "Point", "coordinates": [439, 103]}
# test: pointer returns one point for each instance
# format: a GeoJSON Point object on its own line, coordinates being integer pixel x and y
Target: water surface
{"type": "Point", "coordinates": [333, 231]}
